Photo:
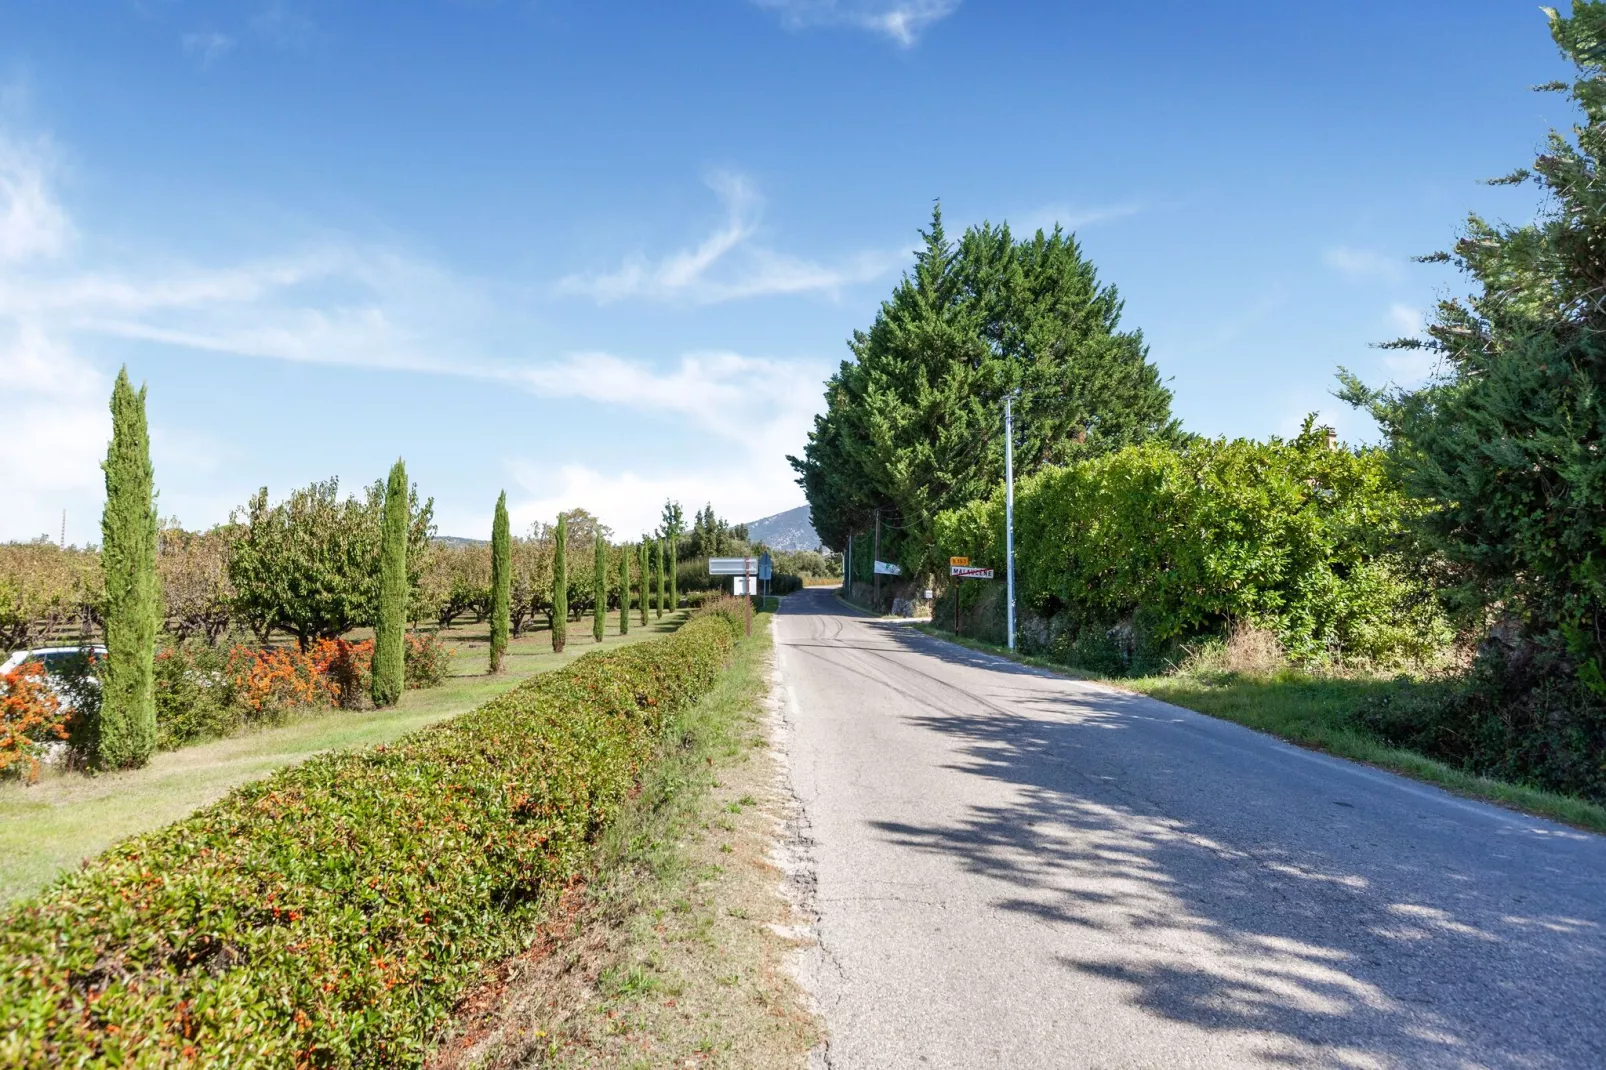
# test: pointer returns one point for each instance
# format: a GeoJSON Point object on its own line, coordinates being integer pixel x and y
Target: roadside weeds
{"type": "Point", "coordinates": [677, 952]}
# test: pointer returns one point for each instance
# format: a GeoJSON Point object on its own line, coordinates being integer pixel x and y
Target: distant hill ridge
{"type": "Point", "coordinates": [790, 530]}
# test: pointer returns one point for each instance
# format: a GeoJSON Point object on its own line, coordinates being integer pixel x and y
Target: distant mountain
{"type": "Point", "coordinates": [790, 530]}
{"type": "Point", "coordinates": [457, 542]}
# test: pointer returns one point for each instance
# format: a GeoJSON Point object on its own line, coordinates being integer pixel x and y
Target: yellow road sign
{"type": "Point", "coordinates": [961, 562]}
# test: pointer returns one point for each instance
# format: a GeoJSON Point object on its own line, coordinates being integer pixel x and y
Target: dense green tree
{"type": "Point", "coordinates": [1505, 438]}
{"type": "Point", "coordinates": [125, 733]}
{"type": "Point", "coordinates": [501, 582]}
{"type": "Point", "coordinates": [560, 584]}
{"type": "Point", "coordinates": [673, 524]}
{"type": "Point", "coordinates": [624, 590]}
{"type": "Point", "coordinates": [390, 621]}
{"type": "Point", "coordinates": [712, 536]}
{"type": "Point", "coordinates": [914, 423]}
{"type": "Point", "coordinates": [646, 577]}
{"type": "Point", "coordinates": [599, 594]}
{"type": "Point", "coordinates": [1505, 442]}
{"type": "Point", "coordinates": [310, 565]}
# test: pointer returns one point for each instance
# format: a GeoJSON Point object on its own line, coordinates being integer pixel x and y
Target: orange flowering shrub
{"type": "Point", "coordinates": [329, 673]}
{"type": "Point", "coordinates": [30, 714]}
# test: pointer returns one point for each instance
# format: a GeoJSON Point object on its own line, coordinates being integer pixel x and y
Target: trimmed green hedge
{"type": "Point", "coordinates": [332, 914]}
{"type": "Point", "coordinates": [1180, 542]}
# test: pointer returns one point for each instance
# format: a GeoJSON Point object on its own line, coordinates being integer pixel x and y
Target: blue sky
{"type": "Point", "coordinates": [604, 253]}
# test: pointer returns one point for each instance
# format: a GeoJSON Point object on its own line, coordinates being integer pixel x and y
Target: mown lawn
{"type": "Point", "coordinates": [53, 825]}
{"type": "Point", "coordinates": [1315, 712]}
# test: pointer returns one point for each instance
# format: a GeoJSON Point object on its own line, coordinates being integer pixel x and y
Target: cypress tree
{"type": "Point", "coordinates": [599, 596]}
{"type": "Point", "coordinates": [674, 573]}
{"type": "Point", "coordinates": [560, 585]}
{"type": "Point", "coordinates": [645, 579]}
{"type": "Point", "coordinates": [501, 583]}
{"type": "Point", "coordinates": [390, 624]}
{"type": "Point", "coordinates": [624, 591]}
{"type": "Point", "coordinates": [658, 556]}
{"type": "Point", "coordinates": [125, 734]}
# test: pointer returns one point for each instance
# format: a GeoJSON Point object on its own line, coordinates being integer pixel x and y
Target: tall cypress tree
{"type": "Point", "coordinates": [599, 596]}
{"type": "Point", "coordinates": [658, 556]}
{"type": "Point", "coordinates": [390, 624]}
{"type": "Point", "coordinates": [624, 591]}
{"type": "Point", "coordinates": [674, 573]}
{"type": "Point", "coordinates": [125, 735]}
{"type": "Point", "coordinates": [560, 585]}
{"type": "Point", "coordinates": [501, 583]}
{"type": "Point", "coordinates": [645, 579]}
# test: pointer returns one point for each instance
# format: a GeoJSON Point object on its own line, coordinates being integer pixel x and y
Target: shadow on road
{"type": "Point", "coordinates": [1331, 920]}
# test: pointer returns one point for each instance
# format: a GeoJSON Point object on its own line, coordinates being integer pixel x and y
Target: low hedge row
{"type": "Point", "coordinates": [332, 914]}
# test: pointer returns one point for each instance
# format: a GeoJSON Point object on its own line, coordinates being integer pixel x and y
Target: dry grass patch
{"type": "Point", "coordinates": [672, 955]}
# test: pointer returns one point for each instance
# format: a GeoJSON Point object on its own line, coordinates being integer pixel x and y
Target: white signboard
{"type": "Point", "coordinates": [741, 585]}
{"type": "Point", "coordinates": [732, 566]}
{"type": "Point", "coordinates": [960, 573]}
{"type": "Point", "coordinates": [887, 568]}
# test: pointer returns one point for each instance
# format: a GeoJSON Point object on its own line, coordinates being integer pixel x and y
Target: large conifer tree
{"type": "Point", "coordinates": [125, 734]}
{"type": "Point", "coordinates": [390, 623]}
{"type": "Point", "coordinates": [599, 594]}
{"type": "Point", "coordinates": [501, 583]}
{"type": "Point", "coordinates": [913, 424]}
{"type": "Point", "coordinates": [560, 585]}
{"type": "Point", "coordinates": [624, 590]}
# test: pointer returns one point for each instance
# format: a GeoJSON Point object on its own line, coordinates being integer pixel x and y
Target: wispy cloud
{"type": "Point", "coordinates": [32, 221]}
{"type": "Point", "coordinates": [1364, 264]}
{"type": "Point", "coordinates": [280, 24]}
{"type": "Point", "coordinates": [903, 22]}
{"type": "Point", "coordinates": [207, 48]}
{"type": "Point", "coordinates": [340, 302]}
{"type": "Point", "coordinates": [729, 264]}
{"type": "Point", "coordinates": [1073, 218]}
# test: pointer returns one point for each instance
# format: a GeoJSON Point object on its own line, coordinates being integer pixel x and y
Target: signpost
{"type": "Point", "coordinates": [887, 568]}
{"type": "Point", "coordinates": [744, 567]}
{"type": "Point", "coordinates": [959, 569]}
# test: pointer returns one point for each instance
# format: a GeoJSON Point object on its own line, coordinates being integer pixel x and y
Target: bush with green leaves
{"type": "Point", "coordinates": [194, 698]}
{"type": "Point", "coordinates": [334, 913]}
{"type": "Point", "coordinates": [1167, 543]}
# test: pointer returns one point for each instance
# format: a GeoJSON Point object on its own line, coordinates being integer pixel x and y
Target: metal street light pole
{"type": "Point", "coordinates": [1009, 512]}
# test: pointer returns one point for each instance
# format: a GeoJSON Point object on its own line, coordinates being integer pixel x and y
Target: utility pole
{"type": "Point", "coordinates": [1009, 511]}
{"type": "Point", "coordinates": [847, 568]}
{"type": "Point", "coordinates": [875, 562]}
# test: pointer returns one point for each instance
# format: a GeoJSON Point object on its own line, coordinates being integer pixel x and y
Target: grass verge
{"type": "Point", "coordinates": [1314, 712]}
{"type": "Point", "coordinates": [673, 954]}
{"type": "Point", "coordinates": [50, 827]}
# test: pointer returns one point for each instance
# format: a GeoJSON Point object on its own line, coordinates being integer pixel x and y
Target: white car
{"type": "Point", "coordinates": [51, 656]}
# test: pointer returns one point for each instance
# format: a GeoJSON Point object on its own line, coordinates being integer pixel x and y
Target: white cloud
{"type": "Point", "coordinates": [1407, 320]}
{"type": "Point", "coordinates": [56, 430]}
{"type": "Point", "coordinates": [343, 303]}
{"type": "Point", "coordinates": [727, 265]}
{"type": "Point", "coordinates": [903, 21]}
{"type": "Point", "coordinates": [1071, 218]}
{"type": "Point", "coordinates": [1364, 264]}
{"type": "Point", "coordinates": [32, 222]}
{"type": "Point", "coordinates": [632, 502]}
{"type": "Point", "coordinates": [207, 48]}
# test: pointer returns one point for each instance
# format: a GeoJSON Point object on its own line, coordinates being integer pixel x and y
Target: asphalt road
{"type": "Point", "coordinates": [1012, 869]}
